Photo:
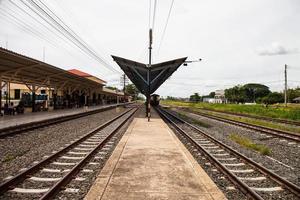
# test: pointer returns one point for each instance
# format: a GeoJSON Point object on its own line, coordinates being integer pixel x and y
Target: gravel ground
{"type": "Point", "coordinates": [20, 151]}
{"type": "Point", "coordinates": [286, 152]}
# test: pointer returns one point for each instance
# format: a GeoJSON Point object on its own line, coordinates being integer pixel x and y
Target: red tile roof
{"type": "Point", "coordinates": [84, 74]}
{"type": "Point", "coordinates": [79, 73]}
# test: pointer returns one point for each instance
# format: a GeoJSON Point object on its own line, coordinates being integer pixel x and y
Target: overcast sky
{"type": "Point", "coordinates": [239, 41]}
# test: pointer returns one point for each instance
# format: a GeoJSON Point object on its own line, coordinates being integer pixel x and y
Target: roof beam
{"type": "Point", "coordinates": [16, 71]}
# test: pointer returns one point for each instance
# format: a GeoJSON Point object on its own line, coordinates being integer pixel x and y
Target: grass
{"type": "Point", "coordinates": [193, 121]}
{"type": "Point", "coordinates": [292, 112]}
{"type": "Point", "coordinates": [249, 144]}
{"type": "Point", "coordinates": [8, 158]}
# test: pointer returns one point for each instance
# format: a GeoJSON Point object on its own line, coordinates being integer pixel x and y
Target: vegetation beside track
{"type": "Point", "coordinates": [249, 144]}
{"type": "Point", "coordinates": [259, 122]}
{"type": "Point", "coordinates": [292, 112]}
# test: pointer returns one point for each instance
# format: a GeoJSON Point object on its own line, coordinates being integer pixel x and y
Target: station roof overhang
{"type": "Point", "coordinates": [112, 92]}
{"type": "Point", "coordinates": [158, 73]}
{"type": "Point", "coordinates": [17, 68]}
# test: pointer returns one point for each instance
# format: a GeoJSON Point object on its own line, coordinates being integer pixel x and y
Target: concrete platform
{"type": "Point", "coordinates": [16, 120]}
{"type": "Point", "coordinates": [151, 163]}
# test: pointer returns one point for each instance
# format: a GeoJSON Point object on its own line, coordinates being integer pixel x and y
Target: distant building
{"type": "Point", "coordinates": [296, 100]}
{"type": "Point", "coordinates": [208, 100]}
{"type": "Point", "coordinates": [220, 96]}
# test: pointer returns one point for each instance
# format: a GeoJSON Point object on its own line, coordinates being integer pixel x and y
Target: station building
{"type": "Point", "coordinates": [28, 80]}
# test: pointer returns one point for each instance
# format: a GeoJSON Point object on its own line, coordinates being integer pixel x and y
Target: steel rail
{"type": "Point", "coordinates": [24, 174]}
{"type": "Point", "coordinates": [287, 184]}
{"type": "Point", "coordinates": [9, 131]}
{"type": "Point", "coordinates": [69, 176]}
{"type": "Point", "coordinates": [233, 178]}
{"type": "Point", "coordinates": [284, 121]}
{"type": "Point", "coordinates": [275, 132]}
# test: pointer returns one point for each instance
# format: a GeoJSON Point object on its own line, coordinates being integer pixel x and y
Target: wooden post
{"type": "Point", "coordinates": [285, 85]}
{"type": "Point", "coordinates": [33, 98]}
{"type": "Point", "coordinates": [0, 95]}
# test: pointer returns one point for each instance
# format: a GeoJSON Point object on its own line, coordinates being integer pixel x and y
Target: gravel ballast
{"type": "Point", "coordinates": [21, 150]}
{"type": "Point", "coordinates": [230, 192]}
{"type": "Point", "coordinates": [283, 160]}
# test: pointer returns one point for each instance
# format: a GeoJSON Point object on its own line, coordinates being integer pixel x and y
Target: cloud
{"type": "Point", "coordinates": [275, 49]}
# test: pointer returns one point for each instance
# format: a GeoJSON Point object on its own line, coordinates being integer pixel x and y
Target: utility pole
{"type": "Point", "coordinates": [285, 85]}
{"type": "Point", "coordinates": [124, 86]}
{"type": "Point", "coordinates": [123, 82]}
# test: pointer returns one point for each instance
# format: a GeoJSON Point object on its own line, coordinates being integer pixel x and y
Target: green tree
{"type": "Point", "coordinates": [236, 94]}
{"type": "Point", "coordinates": [250, 92]}
{"type": "Point", "coordinates": [171, 98]}
{"type": "Point", "coordinates": [195, 97]}
{"type": "Point", "coordinates": [254, 91]}
{"type": "Point", "coordinates": [293, 93]}
{"type": "Point", "coordinates": [272, 98]}
{"type": "Point", "coordinates": [110, 87]}
{"type": "Point", "coordinates": [131, 90]}
{"type": "Point", "coordinates": [212, 95]}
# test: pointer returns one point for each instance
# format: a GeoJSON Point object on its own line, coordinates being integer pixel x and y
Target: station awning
{"type": "Point", "coordinates": [17, 68]}
{"type": "Point", "coordinates": [158, 73]}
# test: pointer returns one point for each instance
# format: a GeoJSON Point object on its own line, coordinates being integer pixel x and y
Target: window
{"type": "Point", "coordinates": [17, 93]}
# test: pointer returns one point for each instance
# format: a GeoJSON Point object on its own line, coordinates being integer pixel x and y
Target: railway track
{"type": "Point", "coordinates": [284, 121]}
{"type": "Point", "coordinates": [274, 132]}
{"type": "Point", "coordinates": [48, 177]}
{"type": "Point", "coordinates": [253, 179]}
{"type": "Point", "coordinates": [9, 131]}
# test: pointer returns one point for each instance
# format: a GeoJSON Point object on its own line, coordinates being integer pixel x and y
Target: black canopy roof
{"type": "Point", "coordinates": [138, 72]}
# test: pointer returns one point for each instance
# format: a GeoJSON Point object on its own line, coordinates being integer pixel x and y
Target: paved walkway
{"type": "Point", "coordinates": [151, 163]}
{"type": "Point", "coordinates": [15, 120]}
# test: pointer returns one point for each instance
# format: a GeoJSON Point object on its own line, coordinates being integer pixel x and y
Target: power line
{"type": "Point", "coordinates": [75, 23]}
{"type": "Point", "coordinates": [53, 26]}
{"type": "Point", "coordinates": [23, 25]}
{"type": "Point", "coordinates": [54, 41]}
{"type": "Point", "coordinates": [165, 28]}
{"type": "Point", "coordinates": [49, 16]}
{"type": "Point", "coordinates": [28, 14]}
{"type": "Point", "coordinates": [31, 29]}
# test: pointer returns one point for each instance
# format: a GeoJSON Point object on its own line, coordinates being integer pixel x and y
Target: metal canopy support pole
{"type": "Point", "coordinates": [149, 78]}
